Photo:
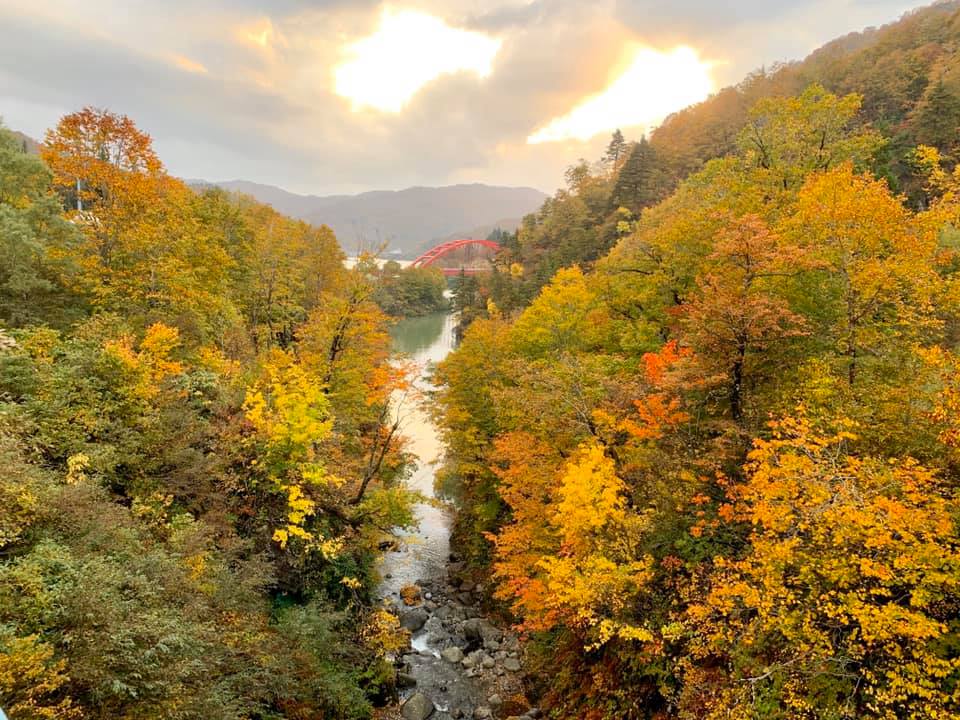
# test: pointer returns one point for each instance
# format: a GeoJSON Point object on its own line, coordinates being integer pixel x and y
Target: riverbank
{"type": "Point", "coordinates": [459, 665]}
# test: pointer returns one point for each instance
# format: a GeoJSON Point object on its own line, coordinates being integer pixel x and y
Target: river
{"type": "Point", "coordinates": [423, 553]}
{"type": "Point", "coordinates": [459, 664]}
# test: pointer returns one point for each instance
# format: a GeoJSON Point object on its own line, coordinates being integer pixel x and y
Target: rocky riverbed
{"type": "Point", "coordinates": [460, 665]}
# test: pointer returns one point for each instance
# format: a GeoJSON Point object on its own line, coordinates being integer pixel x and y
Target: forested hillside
{"type": "Point", "coordinates": [407, 221]}
{"type": "Point", "coordinates": [907, 74]}
{"type": "Point", "coordinates": [198, 457]}
{"type": "Point", "coordinates": [713, 471]}
{"type": "Point", "coordinates": [702, 427]}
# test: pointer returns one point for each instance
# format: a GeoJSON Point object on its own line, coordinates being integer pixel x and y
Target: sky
{"type": "Point", "coordinates": [344, 96]}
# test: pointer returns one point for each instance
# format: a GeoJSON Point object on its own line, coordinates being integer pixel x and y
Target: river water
{"type": "Point", "coordinates": [424, 551]}
{"type": "Point", "coordinates": [459, 665]}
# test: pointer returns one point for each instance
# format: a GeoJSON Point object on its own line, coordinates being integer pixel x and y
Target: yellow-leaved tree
{"type": "Point", "coordinates": [848, 593]}
{"type": "Point", "coordinates": [580, 568]}
{"type": "Point", "coordinates": [290, 413]}
{"type": "Point", "coordinates": [32, 681]}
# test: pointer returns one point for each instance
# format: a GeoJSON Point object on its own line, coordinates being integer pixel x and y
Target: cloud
{"type": "Point", "coordinates": [259, 34]}
{"type": "Point", "coordinates": [185, 63]}
{"type": "Point", "coordinates": [408, 50]}
{"type": "Point", "coordinates": [248, 88]}
{"type": "Point", "coordinates": [654, 85]}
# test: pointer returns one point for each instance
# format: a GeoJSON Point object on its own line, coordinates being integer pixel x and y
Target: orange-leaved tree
{"type": "Point", "coordinates": [735, 321]}
{"type": "Point", "coordinates": [144, 249]}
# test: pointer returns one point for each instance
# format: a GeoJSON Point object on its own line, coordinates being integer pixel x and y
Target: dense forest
{"type": "Point", "coordinates": [906, 73]}
{"type": "Point", "coordinates": [410, 291]}
{"type": "Point", "coordinates": [702, 427]}
{"type": "Point", "coordinates": [198, 455]}
{"type": "Point", "coordinates": [703, 422]}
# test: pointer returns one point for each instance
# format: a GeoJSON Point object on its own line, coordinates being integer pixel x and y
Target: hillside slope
{"type": "Point", "coordinates": [407, 220]}
{"type": "Point", "coordinates": [907, 73]}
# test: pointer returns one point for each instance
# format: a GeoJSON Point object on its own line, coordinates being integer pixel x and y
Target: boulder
{"type": "Point", "coordinates": [480, 631]}
{"type": "Point", "coordinates": [417, 707]}
{"type": "Point", "coordinates": [511, 664]}
{"type": "Point", "coordinates": [414, 618]}
{"type": "Point", "coordinates": [452, 654]}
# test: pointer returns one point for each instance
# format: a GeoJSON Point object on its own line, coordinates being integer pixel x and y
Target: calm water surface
{"type": "Point", "coordinates": [423, 554]}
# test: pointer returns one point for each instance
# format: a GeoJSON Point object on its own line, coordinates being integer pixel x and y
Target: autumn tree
{"type": "Point", "coordinates": [847, 592]}
{"type": "Point", "coordinates": [873, 283]}
{"type": "Point", "coordinates": [736, 323]}
{"type": "Point", "coordinates": [143, 246]}
{"type": "Point", "coordinates": [785, 139]}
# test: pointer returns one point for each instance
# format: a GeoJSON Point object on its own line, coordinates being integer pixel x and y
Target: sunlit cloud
{"type": "Point", "coordinates": [185, 63]}
{"type": "Point", "coordinates": [260, 34]}
{"type": "Point", "coordinates": [654, 85]}
{"type": "Point", "coordinates": [408, 50]}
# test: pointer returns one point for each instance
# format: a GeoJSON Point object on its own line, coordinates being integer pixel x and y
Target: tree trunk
{"type": "Point", "coordinates": [736, 383]}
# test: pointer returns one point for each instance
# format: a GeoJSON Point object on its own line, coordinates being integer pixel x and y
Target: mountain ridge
{"type": "Point", "coordinates": [407, 220]}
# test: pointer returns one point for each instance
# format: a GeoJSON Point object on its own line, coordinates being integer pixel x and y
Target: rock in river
{"type": "Point", "coordinates": [414, 618]}
{"type": "Point", "coordinates": [417, 707]}
{"type": "Point", "coordinates": [480, 631]}
{"type": "Point", "coordinates": [452, 654]}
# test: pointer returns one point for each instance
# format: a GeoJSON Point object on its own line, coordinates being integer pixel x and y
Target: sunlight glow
{"type": "Point", "coordinates": [653, 86]}
{"type": "Point", "coordinates": [185, 63]}
{"type": "Point", "coordinates": [260, 34]}
{"type": "Point", "coordinates": [407, 51]}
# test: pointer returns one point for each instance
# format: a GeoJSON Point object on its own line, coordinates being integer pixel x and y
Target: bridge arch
{"type": "Point", "coordinates": [437, 252]}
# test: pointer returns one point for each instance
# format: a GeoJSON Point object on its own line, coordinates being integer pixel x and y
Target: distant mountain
{"type": "Point", "coordinates": [29, 144]}
{"type": "Point", "coordinates": [407, 220]}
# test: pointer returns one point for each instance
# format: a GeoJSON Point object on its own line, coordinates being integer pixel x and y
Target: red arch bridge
{"type": "Point", "coordinates": [434, 254]}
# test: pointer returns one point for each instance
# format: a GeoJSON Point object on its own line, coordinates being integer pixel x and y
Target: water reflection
{"type": "Point", "coordinates": [426, 338]}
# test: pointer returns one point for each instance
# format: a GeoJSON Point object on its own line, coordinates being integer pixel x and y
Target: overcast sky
{"type": "Point", "coordinates": [325, 96]}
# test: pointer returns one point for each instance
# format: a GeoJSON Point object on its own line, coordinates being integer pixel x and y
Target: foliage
{"type": "Point", "coordinates": [199, 458]}
{"type": "Point", "coordinates": [713, 473]}
{"type": "Point", "coordinates": [848, 591]}
{"type": "Point", "coordinates": [409, 292]}
{"type": "Point", "coordinates": [33, 238]}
